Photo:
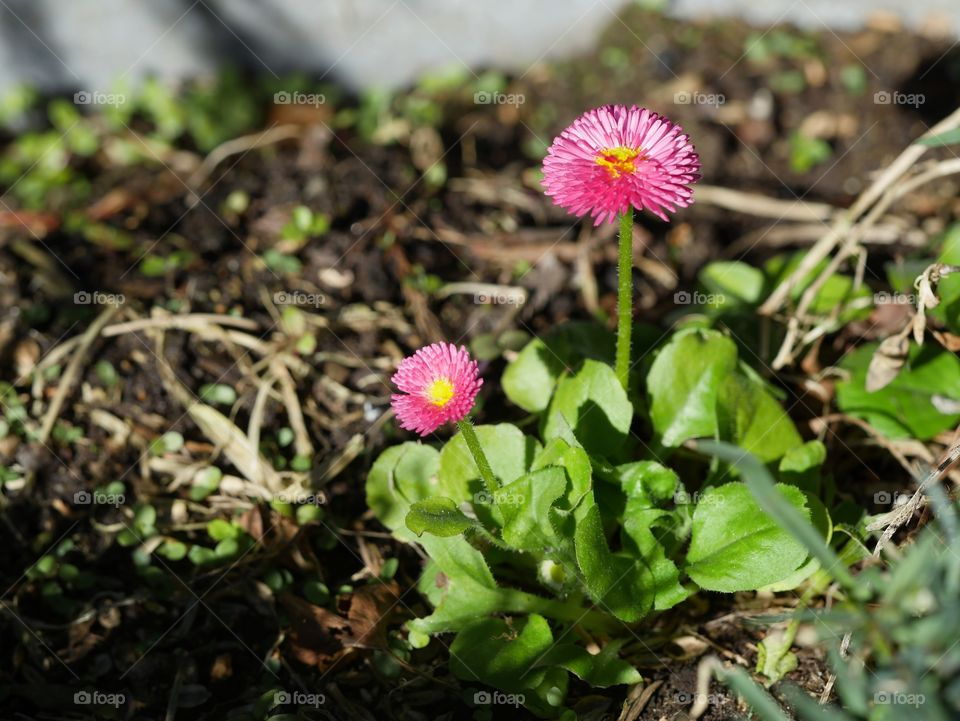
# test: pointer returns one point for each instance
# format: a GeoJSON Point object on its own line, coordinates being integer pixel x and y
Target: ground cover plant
{"type": "Point", "coordinates": [421, 405]}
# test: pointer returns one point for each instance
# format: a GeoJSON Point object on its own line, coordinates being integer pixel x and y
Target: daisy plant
{"type": "Point", "coordinates": [548, 542]}
{"type": "Point", "coordinates": [610, 161]}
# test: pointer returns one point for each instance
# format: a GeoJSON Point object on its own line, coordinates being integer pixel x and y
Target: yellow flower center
{"type": "Point", "coordinates": [618, 160]}
{"type": "Point", "coordinates": [440, 392]}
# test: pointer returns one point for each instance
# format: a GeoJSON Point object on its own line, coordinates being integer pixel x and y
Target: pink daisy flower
{"type": "Point", "coordinates": [439, 383]}
{"type": "Point", "coordinates": [613, 158]}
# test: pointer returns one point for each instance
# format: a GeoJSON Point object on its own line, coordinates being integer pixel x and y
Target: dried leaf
{"type": "Point", "coordinates": [252, 522]}
{"type": "Point", "coordinates": [948, 340]}
{"type": "Point", "coordinates": [316, 635]}
{"type": "Point", "coordinates": [370, 610]}
{"type": "Point", "coordinates": [887, 362]}
{"type": "Point", "coordinates": [222, 667]}
{"type": "Point", "coordinates": [927, 299]}
{"type": "Point", "coordinates": [919, 325]}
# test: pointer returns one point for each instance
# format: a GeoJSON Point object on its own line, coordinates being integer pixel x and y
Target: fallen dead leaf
{"type": "Point", "coordinates": [370, 610]}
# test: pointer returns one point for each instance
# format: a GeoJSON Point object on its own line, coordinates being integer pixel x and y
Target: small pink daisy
{"type": "Point", "coordinates": [439, 384]}
{"type": "Point", "coordinates": [613, 158]}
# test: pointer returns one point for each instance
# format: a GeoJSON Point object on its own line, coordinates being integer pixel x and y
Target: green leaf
{"type": "Point", "coordinates": [492, 652]}
{"type": "Point", "coordinates": [646, 484]}
{"type": "Point", "coordinates": [439, 516]}
{"type": "Point", "coordinates": [106, 373]}
{"type": "Point", "coordinates": [683, 383]}
{"type": "Point", "coordinates": [526, 506]}
{"type": "Point", "coordinates": [592, 409]}
{"type": "Point", "coordinates": [173, 550]}
{"type": "Point", "coordinates": [807, 152]}
{"type": "Point", "coordinates": [903, 409]}
{"type": "Point", "coordinates": [401, 475]}
{"type": "Point", "coordinates": [145, 519]}
{"type": "Point", "coordinates": [201, 556]}
{"type": "Point", "coordinates": [820, 518]}
{"type": "Point", "coordinates": [227, 548]}
{"type": "Point", "coordinates": [218, 529]}
{"type": "Point", "coordinates": [602, 670]}
{"type": "Point", "coordinates": [620, 584]}
{"type": "Point", "coordinates": [749, 417]}
{"type": "Point", "coordinates": [735, 546]}
{"type": "Point", "coordinates": [575, 461]}
{"type": "Point", "coordinates": [732, 283]}
{"type": "Point", "coordinates": [218, 393]}
{"type": "Point", "coordinates": [169, 442]}
{"type": "Point", "coordinates": [509, 451]}
{"type": "Point", "coordinates": [775, 500]}
{"type": "Point", "coordinates": [459, 581]}
{"type": "Point", "coordinates": [774, 657]}
{"type": "Point", "coordinates": [206, 482]}
{"type": "Point", "coordinates": [800, 466]}
{"type": "Point", "coordinates": [529, 380]}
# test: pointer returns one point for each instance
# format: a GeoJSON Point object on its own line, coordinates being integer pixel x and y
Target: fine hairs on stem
{"type": "Point", "coordinates": [473, 443]}
{"type": "Point", "coordinates": [625, 298]}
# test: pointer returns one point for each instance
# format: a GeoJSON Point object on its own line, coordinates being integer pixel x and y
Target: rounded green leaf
{"type": "Point", "coordinates": [732, 282]}
{"type": "Point", "coordinates": [683, 383]}
{"type": "Point", "coordinates": [501, 655]}
{"type": "Point", "coordinates": [735, 546]}
{"type": "Point", "coordinates": [591, 409]}
{"type": "Point", "coordinates": [749, 417]}
{"type": "Point", "coordinates": [400, 476]}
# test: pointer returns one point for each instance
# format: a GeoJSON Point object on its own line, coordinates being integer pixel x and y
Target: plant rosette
{"type": "Point", "coordinates": [577, 525]}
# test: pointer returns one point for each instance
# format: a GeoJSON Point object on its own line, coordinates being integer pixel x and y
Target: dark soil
{"type": "Point", "coordinates": [217, 640]}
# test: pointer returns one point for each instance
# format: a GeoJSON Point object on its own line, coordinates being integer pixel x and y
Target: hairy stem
{"type": "Point", "coordinates": [625, 298]}
{"type": "Point", "coordinates": [473, 443]}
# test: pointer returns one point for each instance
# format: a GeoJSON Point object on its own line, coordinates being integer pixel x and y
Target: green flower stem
{"type": "Point", "coordinates": [625, 298]}
{"type": "Point", "coordinates": [570, 610]}
{"type": "Point", "coordinates": [473, 443]}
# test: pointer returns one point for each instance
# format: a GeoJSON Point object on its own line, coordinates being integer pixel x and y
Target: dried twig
{"type": "Point", "coordinates": [845, 221]}
{"type": "Point", "coordinates": [72, 371]}
{"type": "Point", "coordinates": [762, 206]}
